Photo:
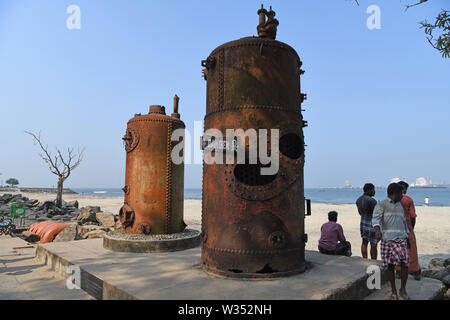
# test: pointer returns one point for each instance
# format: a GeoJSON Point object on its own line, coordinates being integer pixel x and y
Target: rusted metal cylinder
{"type": "Point", "coordinates": [154, 190]}
{"type": "Point", "coordinates": [253, 225]}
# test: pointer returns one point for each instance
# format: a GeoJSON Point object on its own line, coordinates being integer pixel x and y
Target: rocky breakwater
{"type": "Point", "coordinates": [83, 223]}
{"type": "Point", "coordinates": [7, 200]}
{"type": "Point", "coordinates": [439, 269]}
{"type": "Point", "coordinates": [91, 223]}
{"type": "Point", "coordinates": [37, 211]}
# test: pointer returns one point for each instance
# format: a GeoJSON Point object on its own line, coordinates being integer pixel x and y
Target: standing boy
{"type": "Point", "coordinates": [390, 227]}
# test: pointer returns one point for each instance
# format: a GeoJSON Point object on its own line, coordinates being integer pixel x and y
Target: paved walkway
{"type": "Point", "coordinates": [22, 277]}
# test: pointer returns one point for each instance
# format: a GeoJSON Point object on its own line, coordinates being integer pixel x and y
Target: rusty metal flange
{"type": "Point", "coordinates": [131, 139]}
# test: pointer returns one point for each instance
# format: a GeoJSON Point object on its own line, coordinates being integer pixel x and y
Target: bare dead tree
{"type": "Point", "coordinates": [59, 164]}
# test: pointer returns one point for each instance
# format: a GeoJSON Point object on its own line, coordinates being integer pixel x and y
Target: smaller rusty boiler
{"type": "Point", "coordinates": [252, 223]}
{"type": "Point", "coordinates": [154, 184]}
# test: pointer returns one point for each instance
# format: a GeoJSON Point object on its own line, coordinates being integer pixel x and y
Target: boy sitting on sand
{"type": "Point", "coordinates": [332, 240]}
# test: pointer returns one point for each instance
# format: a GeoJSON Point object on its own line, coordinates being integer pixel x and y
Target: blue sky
{"type": "Point", "coordinates": [378, 100]}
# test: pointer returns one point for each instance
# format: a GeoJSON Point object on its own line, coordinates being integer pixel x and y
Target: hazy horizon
{"type": "Point", "coordinates": [378, 100]}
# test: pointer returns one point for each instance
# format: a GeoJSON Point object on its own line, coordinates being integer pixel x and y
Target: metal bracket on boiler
{"type": "Point", "coordinates": [308, 207]}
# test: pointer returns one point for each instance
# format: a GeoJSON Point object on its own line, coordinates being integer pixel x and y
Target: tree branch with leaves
{"type": "Point", "coordinates": [59, 164]}
{"type": "Point", "coordinates": [441, 26]}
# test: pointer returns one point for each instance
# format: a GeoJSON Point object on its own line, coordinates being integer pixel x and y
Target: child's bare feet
{"type": "Point", "coordinates": [403, 294]}
{"type": "Point", "coordinates": [393, 296]}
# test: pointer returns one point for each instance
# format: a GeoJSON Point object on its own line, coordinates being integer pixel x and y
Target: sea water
{"type": "Point", "coordinates": [436, 196]}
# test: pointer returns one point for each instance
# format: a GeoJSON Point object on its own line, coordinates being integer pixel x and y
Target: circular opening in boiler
{"type": "Point", "coordinates": [291, 145]}
{"type": "Point", "coordinates": [250, 174]}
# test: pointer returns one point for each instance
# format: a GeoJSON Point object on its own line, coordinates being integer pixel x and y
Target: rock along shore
{"type": "Point", "coordinates": [37, 190]}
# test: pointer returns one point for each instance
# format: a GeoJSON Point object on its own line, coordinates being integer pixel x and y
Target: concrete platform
{"type": "Point", "coordinates": [425, 289]}
{"type": "Point", "coordinates": [177, 275]}
{"type": "Point", "coordinates": [22, 277]}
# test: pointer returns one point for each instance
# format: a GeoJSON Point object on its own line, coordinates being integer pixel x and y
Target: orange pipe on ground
{"type": "Point", "coordinates": [47, 231]}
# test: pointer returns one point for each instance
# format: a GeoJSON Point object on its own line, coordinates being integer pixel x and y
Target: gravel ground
{"type": "Point", "coordinates": [120, 234]}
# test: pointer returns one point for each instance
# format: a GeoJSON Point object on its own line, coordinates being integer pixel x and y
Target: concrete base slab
{"type": "Point", "coordinates": [178, 276]}
{"type": "Point", "coordinates": [425, 289]}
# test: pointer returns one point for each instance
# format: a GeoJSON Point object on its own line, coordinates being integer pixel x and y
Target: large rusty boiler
{"type": "Point", "coordinates": [253, 224]}
{"type": "Point", "coordinates": [154, 184]}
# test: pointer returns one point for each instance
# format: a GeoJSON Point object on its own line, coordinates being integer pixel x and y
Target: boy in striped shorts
{"type": "Point", "coordinates": [390, 227]}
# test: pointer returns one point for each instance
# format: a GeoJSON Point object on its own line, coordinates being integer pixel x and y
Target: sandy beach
{"type": "Point", "coordinates": [432, 228]}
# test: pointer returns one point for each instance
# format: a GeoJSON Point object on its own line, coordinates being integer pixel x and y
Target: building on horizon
{"type": "Point", "coordinates": [423, 182]}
